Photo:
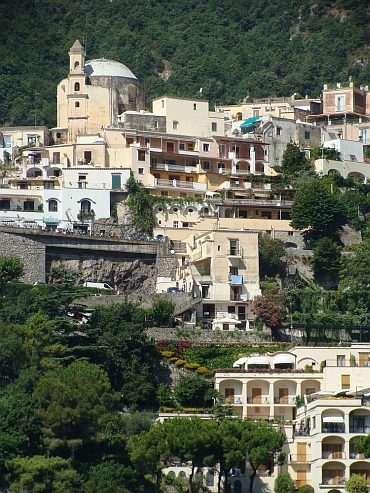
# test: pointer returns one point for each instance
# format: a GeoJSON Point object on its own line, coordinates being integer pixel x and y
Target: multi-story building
{"type": "Point", "coordinates": [220, 268]}
{"type": "Point", "coordinates": [321, 397]}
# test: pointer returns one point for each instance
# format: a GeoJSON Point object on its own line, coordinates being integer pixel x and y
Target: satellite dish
{"type": "Point", "coordinates": [235, 131]}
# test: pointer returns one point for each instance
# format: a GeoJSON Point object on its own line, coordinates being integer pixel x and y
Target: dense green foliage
{"type": "Point", "coordinates": [317, 210]}
{"type": "Point", "coordinates": [271, 256]}
{"type": "Point", "coordinates": [11, 268]}
{"type": "Point", "coordinates": [284, 484]}
{"type": "Point", "coordinates": [247, 47]}
{"type": "Point", "coordinates": [356, 484]}
{"type": "Point", "coordinates": [294, 162]}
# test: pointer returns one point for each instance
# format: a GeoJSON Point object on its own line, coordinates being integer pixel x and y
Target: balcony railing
{"type": "Point", "coordinates": [333, 428]}
{"type": "Point", "coordinates": [359, 429]}
{"type": "Point", "coordinates": [285, 400]}
{"type": "Point", "coordinates": [337, 480]}
{"type": "Point", "coordinates": [179, 184]}
{"type": "Point", "coordinates": [333, 455]}
{"type": "Point", "coordinates": [299, 458]}
{"type": "Point", "coordinates": [258, 400]}
{"type": "Point", "coordinates": [179, 168]}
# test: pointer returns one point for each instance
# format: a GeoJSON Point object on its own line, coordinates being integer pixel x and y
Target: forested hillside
{"type": "Point", "coordinates": [229, 48]}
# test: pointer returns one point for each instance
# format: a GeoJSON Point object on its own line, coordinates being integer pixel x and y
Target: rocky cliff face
{"type": "Point", "coordinates": [135, 276]}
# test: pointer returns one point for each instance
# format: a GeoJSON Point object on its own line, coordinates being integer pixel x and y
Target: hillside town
{"type": "Point", "coordinates": [215, 174]}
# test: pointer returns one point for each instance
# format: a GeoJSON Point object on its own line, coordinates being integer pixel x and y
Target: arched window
{"type": "Point", "coordinates": [53, 206]}
{"type": "Point", "coordinates": [85, 206]}
{"type": "Point", "coordinates": [77, 86]}
{"type": "Point", "coordinates": [182, 474]}
{"type": "Point", "coordinates": [238, 486]}
{"type": "Point", "coordinates": [131, 93]}
{"type": "Point", "coordinates": [77, 104]}
{"type": "Point", "coordinates": [77, 65]}
{"type": "Point", "coordinates": [210, 479]}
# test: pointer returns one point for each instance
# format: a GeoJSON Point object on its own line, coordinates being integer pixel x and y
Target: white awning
{"type": "Point", "coordinates": [333, 419]}
{"type": "Point", "coordinates": [226, 320]}
{"type": "Point", "coordinates": [240, 361]}
{"type": "Point", "coordinates": [258, 360]}
{"type": "Point", "coordinates": [283, 359]}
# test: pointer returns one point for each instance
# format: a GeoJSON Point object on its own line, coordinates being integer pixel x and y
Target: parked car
{"type": "Point", "coordinates": [173, 289]}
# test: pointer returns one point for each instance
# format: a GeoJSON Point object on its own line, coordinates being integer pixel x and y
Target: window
{"type": "Point", "coordinates": [233, 272]}
{"type": "Point", "coordinates": [28, 205]}
{"type": "Point", "coordinates": [352, 157]}
{"type": "Point", "coordinates": [290, 233]}
{"type": "Point", "coordinates": [205, 291]}
{"type": "Point", "coordinates": [278, 130]}
{"type": "Point", "coordinates": [170, 147]}
{"type": "Point", "coordinates": [214, 127]}
{"type": "Point", "coordinates": [185, 225]}
{"type": "Point", "coordinates": [175, 125]}
{"type": "Point", "coordinates": [85, 206]}
{"type": "Point", "coordinates": [77, 86]}
{"type": "Point", "coordinates": [341, 360]}
{"type": "Point", "coordinates": [147, 142]}
{"type": "Point", "coordinates": [141, 155]}
{"type": "Point", "coordinates": [162, 103]}
{"type": "Point", "coordinates": [234, 247]}
{"type": "Point", "coordinates": [155, 123]}
{"type": "Point", "coordinates": [339, 102]}
{"type": "Point", "coordinates": [346, 381]}
{"type": "Point", "coordinates": [87, 156]}
{"type": "Point", "coordinates": [7, 141]}
{"type": "Point", "coordinates": [4, 204]}
{"type": "Point", "coordinates": [77, 65]}
{"type": "Point", "coordinates": [314, 422]}
{"type": "Point", "coordinates": [53, 206]}
{"type": "Point", "coordinates": [140, 171]}
{"type": "Point", "coordinates": [190, 146]}
{"type": "Point", "coordinates": [182, 147]}
{"type": "Point", "coordinates": [77, 104]}
{"type": "Point", "coordinates": [31, 140]}
{"type": "Point", "coordinates": [206, 165]}
{"type": "Point", "coordinates": [175, 224]}
{"type": "Point", "coordinates": [205, 147]}
{"type": "Point", "coordinates": [266, 214]}
{"type": "Point", "coordinates": [307, 135]}
{"type": "Point", "coordinates": [363, 134]}
{"type": "Point", "coordinates": [56, 158]}
{"type": "Point", "coordinates": [256, 113]}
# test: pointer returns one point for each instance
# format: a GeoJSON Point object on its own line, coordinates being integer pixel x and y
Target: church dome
{"type": "Point", "coordinates": [107, 68]}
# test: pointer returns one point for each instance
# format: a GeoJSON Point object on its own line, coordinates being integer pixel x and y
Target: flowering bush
{"type": "Point", "coordinates": [202, 370]}
{"type": "Point", "coordinates": [180, 362]}
{"type": "Point", "coordinates": [166, 354]}
{"type": "Point", "coordinates": [192, 366]}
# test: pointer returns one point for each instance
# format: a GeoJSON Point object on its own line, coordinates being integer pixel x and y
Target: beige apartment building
{"type": "Point", "coordinates": [320, 396]}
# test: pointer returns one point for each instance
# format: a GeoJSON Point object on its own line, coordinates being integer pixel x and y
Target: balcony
{"type": "Point", "coordinates": [234, 399]}
{"type": "Point", "coordinates": [179, 168]}
{"type": "Point", "coordinates": [338, 481]}
{"type": "Point", "coordinates": [236, 252]}
{"type": "Point", "coordinates": [179, 184]}
{"type": "Point", "coordinates": [285, 400]}
{"type": "Point", "coordinates": [359, 429]}
{"type": "Point", "coordinates": [299, 458]}
{"type": "Point", "coordinates": [333, 455]}
{"type": "Point", "coordinates": [258, 399]}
